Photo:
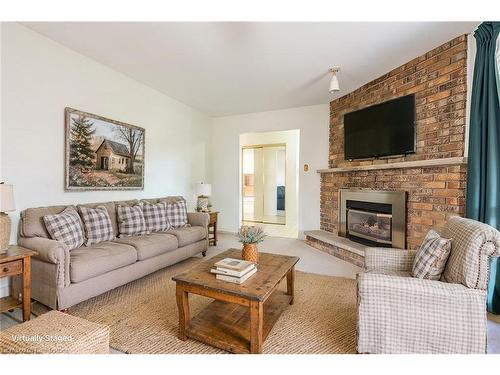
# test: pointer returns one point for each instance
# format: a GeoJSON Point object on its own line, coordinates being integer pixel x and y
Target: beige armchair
{"type": "Point", "coordinates": [398, 313]}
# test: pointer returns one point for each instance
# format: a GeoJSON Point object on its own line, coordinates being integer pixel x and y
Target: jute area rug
{"type": "Point", "coordinates": [142, 316]}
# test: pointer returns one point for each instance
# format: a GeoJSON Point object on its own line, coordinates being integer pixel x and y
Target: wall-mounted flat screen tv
{"type": "Point", "coordinates": [384, 129]}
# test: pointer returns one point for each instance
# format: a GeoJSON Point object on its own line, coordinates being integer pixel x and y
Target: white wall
{"type": "Point", "coordinates": [313, 123]}
{"type": "Point", "coordinates": [4, 282]}
{"type": "Point", "coordinates": [41, 78]}
{"type": "Point", "coordinates": [1, 27]}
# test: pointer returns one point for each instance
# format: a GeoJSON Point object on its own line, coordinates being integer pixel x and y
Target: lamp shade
{"type": "Point", "coordinates": [7, 198]}
{"type": "Point", "coordinates": [203, 189]}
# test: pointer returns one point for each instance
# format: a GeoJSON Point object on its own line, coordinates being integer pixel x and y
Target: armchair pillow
{"type": "Point", "coordinates": [177, 214]}
{"type": "Point", "coordinates": [431, 257]}
{"type": "Point", "coordinates": [65, 227]}
{"type": "Point", "coordinates": [155, 215]}
{"type": "Point", "coordinates": [131, 220]}
{"type": "Point", "coordinates": [97, 224]}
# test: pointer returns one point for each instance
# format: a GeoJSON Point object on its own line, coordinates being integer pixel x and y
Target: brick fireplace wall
{"type": "Point", "coordinates": [438, 80]}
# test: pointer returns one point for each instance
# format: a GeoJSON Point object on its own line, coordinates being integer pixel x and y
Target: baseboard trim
{"type": "Point", "coordinates": [226, 231]}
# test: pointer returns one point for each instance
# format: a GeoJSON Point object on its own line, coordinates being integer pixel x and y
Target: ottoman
{"type": "Point", "coordinates": [55, 332]}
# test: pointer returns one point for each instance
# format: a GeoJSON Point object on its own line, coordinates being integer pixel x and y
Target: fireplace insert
{"type": "Point", "coordinates": [369, 223]}
{"type": "Point", "coordinates": [373, 217]}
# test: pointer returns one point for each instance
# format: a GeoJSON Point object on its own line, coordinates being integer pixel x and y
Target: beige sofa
{"type": "Point", "coordinates": [61, 278]}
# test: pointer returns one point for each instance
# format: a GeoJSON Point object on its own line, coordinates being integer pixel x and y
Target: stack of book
{"type": "Point", "coordinates": [233, 270]}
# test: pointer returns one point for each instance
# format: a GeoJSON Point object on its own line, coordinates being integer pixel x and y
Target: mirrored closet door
{"type": "Point", "coordinates": [264, 183]}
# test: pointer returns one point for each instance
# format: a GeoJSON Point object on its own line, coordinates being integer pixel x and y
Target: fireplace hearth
{"type": "Point", "coordinates": [372, 217]}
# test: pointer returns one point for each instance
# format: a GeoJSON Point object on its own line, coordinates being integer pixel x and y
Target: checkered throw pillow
{"type": "Point", "coordinates": [65, 227]}
{"type": "Point", "coordinates": [97, 224]}
{"type": "Point", "coordinates": [431, 257]}
{"type": "Point", "coordinates": [177, 214]}
{"type": "Point", "coordinates": [131, 220]}
{"type": "Point", "coordinates": [155, 215]}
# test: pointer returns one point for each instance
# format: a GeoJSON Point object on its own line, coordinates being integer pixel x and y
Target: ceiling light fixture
{"type": "Point", "coordinates": [334, 83]}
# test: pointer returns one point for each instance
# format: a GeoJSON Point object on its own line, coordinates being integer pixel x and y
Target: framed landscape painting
{"type": "Point", "coordinates": [102, 154]}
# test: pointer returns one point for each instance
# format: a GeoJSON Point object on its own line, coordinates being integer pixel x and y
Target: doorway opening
{"type": "Point", "coordinates": [264, 184]}
{"type": "Point", "coordinates": [269, 181]}
{"type": "Point", "coordinates": [104, 162]}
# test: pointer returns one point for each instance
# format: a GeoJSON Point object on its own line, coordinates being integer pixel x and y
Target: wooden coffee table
{"type": "Point", "coordinates": [241, 316]}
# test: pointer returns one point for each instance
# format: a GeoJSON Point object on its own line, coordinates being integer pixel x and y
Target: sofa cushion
{"type": "Point", "coordinates": [177, 214]}
{"type": "Point", "coordinates": [188, 235]}
{"type": "Point", "coordinates": [171, 199]}
{"type": "Point", "coordinates": [131, 220]}
{"type": "Point", "coordinates": [66, 227]}
{"type": "Point", "coordinates": [155, 215]}
{"type": "Point", "coordinates": [111, 207]}
{"type": "Point", "coordinates": [390, 273]}
{"type": "Point", "coordinates": [32, 224]}
{"type": "Point", "coordinates": [87, 262]}
{"type": "Point", "coordinates": [97, 224]}
{"type": "Point", "coordinates": [150, 245]}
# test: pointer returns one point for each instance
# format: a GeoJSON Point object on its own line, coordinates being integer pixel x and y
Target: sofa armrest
{"type": "Point", "coordinates": [50, 251]}
{"type": "Point", "coordinates": [388, 260]}
{"type": "Point", "coordinates": [419, 289]}
{"type": "Point", "coordinates": [410, 315]}
{"type": "Point", "coordinates": [200, 219]}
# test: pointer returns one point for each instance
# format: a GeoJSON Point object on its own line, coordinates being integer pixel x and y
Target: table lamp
{"type": "Point", "coordinates": [203, 191]}
{"type": "Point", "coordinates": [6, 205]}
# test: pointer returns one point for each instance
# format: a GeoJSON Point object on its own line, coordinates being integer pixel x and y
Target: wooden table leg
{"type": "Point", "coordinates": [290, 281]}
{"type": "Point", "coordinates": [256, 326]}
{"type": "Point", "coordinates": [215, 234]}
{"type": "Point", "coordinates": [26, 289]}
{"type": "Point", "coordinates": [183, 306]}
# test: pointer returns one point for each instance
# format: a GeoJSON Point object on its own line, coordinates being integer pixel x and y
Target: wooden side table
{"type": "Point", "coordinates": [212, 228]}
{"type": "Point", "coordinates": [17, 261]}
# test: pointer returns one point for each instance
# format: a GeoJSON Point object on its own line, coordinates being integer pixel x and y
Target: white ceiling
{"type": "Point", "coordinates": [231, 68]}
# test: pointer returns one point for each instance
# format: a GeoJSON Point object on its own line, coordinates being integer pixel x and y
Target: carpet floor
{"type": "Point", "coordinates": [142, 316]}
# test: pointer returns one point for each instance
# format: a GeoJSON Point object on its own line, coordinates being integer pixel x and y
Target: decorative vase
{"type": "Point", "coordinates": [250, 252]}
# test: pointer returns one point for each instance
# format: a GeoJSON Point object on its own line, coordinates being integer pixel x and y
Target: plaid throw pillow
{"type": "Point", "coordinates": [130, 220]}
{"type": "Point", "coordinates": [155, 215]}
{"type": "Point", "coordinates": [177, 214]}
{"type": "Point", "coordinates": [431, 257]}
{"type": "Point", "coordinates": [65, 227]}
{"type": "Point", "coordinates": [97, 224]}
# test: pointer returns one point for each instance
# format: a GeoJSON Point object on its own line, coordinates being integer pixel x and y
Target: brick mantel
{"type": "Point", "coordinates": [434, 177]}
